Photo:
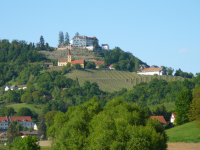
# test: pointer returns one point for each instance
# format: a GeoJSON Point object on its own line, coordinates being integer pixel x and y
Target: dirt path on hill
{"type": "Point", "coordinates": [183, 146]}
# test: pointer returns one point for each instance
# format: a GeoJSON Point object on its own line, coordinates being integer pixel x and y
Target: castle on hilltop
{"type": "Point", "coordinates": [85, 42]}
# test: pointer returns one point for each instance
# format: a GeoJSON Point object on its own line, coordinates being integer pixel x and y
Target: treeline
{"type": "Point", "coordinates": [122, 60]}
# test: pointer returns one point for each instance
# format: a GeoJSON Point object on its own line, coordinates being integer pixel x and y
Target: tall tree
{"type": "Point", "coordinates": [182, 105]}
{"type": "Point", "coordinates": [66, 38]}
{"type": "Point", "coordinates": [77, 34]}
{"type": "Point", "coordinates": [41, 41]}
{"type": "Point", "coordinates": [170, 71]}
{"type": "Point", "coordinates": [61, 38]}
{"type": "Point", "coordinates": [42, 128]}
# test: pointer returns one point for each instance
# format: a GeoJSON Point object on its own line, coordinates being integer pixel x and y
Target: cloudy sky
{"type": "Point", "coordinates": [157, 32]}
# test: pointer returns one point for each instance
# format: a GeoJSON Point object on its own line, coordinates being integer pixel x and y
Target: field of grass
{"type": "Point", "coordinates": [30, 106]}
{"type": "Point", "coordinates": [187, 133]}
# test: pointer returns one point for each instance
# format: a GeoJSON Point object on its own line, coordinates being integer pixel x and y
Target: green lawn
{"type": "Point", "coordinates": [187, 133]}
{"type": "Point", "coordinates": [30, 106]}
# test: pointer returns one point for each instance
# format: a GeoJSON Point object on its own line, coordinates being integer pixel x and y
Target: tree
{"type": "Point", "coordinates": [90, 65]}
{"type": "Point", "coordinates": [77, 34]}
{"type": "Point", "coordinates": [95, 43]}
{"type": "Point", "coordinates": [41, 42]}
{"type": "Point", "coordinates": [194, 112]}
{"type": "Point", "coordinates": [13, 129]}
{"type": "Point", "coordinates": [61, 38]}
{"type": "Point", "coordinates": [101, 66]}
{"type": "Point", "coordinates": [182, 105]}
{"type": "Point", "coordinates": [24, 111]}
{"type": "Point", "coordinates": [9, 111]}
{"type": "Point", "coordinates": [26, 143]}
{"type": "Point", "coordinates": [76, 66]}
{"type": "Point", "coordinates": [49, 117]}
{"type": "Point", "coordinates": [42, 128]}
{"type": "Point", "coordinates": [170, 71]}
{"type": "Point", "coordinates": [66, 38]}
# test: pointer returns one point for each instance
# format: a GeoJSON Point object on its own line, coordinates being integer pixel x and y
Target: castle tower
{"type": "Point", "coordinates": [69, 56]}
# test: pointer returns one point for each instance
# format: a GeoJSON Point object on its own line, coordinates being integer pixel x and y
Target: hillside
{"type": "Point", "coordinates": [184, 133]}
{"type": "Point", "coordinates": [77, 54]}
{"type": "Point", "coordinates": [112, 80]}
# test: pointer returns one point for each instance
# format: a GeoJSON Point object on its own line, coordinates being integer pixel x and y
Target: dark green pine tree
{"type": "Point", "coordinates": [77, 34]}
{"type": "Point", "coordinates": [61, 38]}
{"type": "Point", "coordinates": [66, 38]}
{"type": "Point", "coordinates": [41, 42]}
{"type": "Point", "coordinates": [42, 128]}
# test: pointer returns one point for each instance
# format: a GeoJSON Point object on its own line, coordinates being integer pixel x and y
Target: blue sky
{"type": "Point", "coordinates": [157, 32]}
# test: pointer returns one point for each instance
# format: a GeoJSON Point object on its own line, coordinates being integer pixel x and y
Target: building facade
{"type": "Point", "coordinates": [26, 121]}
{"type": "Point", "coordinates": [4, 122]}
{"type": "Point", "coordinates": [105, 46]}
{"type": "Point", "coordinates": [152, 70]}
{"type": "Point", "coordinates": [82, 41]}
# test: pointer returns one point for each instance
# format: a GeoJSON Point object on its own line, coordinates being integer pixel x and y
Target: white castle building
{"type": "Point", "coordinates": [82, 41]}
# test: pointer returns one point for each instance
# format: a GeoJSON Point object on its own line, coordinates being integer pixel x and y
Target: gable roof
{"type": "Point", "coordinates": [62, 59]}
{"type": "Point", "coordinates": [21, 118]}
{"type": "Point", "coordinates": [161, 119]}
{"type": "Point", "coordinates": [28, 133]}
{"type": "Point", "coordinates": [77, 62]}
{"type": "Point", "coordinates": [99, 63]}
{"type": "Point", "coordinates": [3, 118]}
{"type": "Point", "coordinates": [104, 44]}
{"type": "Point", "coordinates": [152, 69]}
{"type": "Point", "coordinates": [20, 86]}
{"type": "Point", "coordinates": [2, 133]}
{"type": "Point", "coordinates": [85, 37]}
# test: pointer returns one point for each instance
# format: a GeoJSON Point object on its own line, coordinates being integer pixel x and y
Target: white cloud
{"type": "Point", "coordinates": [183, 51]}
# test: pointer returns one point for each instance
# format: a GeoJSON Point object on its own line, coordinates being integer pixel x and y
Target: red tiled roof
{"type": "Point", "coordinates": [77, 62]}
{"type": "Point", "coordinates": [2, 133]}
{"type": "Point", "coordinates": [21, 118]}
{"type": "Point", "coordinates": [62, 59]}
{"type": "Point", "coordinates": [161, 119]}
{"type": "Point", "coordinates": [5, 118]}
{"type": "Point", "coordinates": [99, 63]}
{"type": "Point", "coordinates": [152, 69]}
{"type": "Point", "coordinates": [111, 65]}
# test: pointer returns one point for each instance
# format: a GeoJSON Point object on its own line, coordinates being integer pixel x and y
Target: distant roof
{"type": "Point", "coordinates": [29, 132]}
{"type": "Point", "coordinates": [77, 62]}
{"type": "Point", "coordinates": [21, 118]}
{"type": "Point", "coordinates": [104, 44]}
{"type": "Point", "coordinates": [21, 86]}
{"type": "Point", "coordinates": [62, 60]}
{"type": "Point", "coordinates": [154, 66]}
{"type": "Point", "coordinates": [3, 118]}
{"type": "Point", "coordinates": [161, 119]}
{"type": "Point", "coordinates": [152, 69]}
{"type": "Point", "coordinates": [2, 133]}
{"type": "Point", "coordinates": [85, 37]}
{"type": "Point", "coordinates": [99, 62]}
{"type": "Point", "coordinates": [111, 65]}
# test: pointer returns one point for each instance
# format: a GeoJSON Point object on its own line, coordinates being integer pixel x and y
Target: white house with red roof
{"type": "Point", "coordinates": [82, 41]}
{"type": "Point", "coordinates": [26, 121]}
{"type": "Point", "coordinates": [4, 122]}
{"type": "Point", "coordinates": [152, 70]}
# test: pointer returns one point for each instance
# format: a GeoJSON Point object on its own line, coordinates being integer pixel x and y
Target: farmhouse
{"type": "Point", "coordinates": [173, 117]}
{"type": "Point", "coordinates": [64, 61]}
{"type": "Point", "coordinates": [12, 87]}
{"type": "Point", "coordinates": [152, 70]}
{"type": "Point", "coordinates": [4, 123]}
{"type": "Point", "coordinates": [23, 120]}
{"type": "Point", "coordinates": [3, 138]}
{"type": "Point", "coordinates": [161, 119]}
{"type": "Point", "coordinates": [98, 63]}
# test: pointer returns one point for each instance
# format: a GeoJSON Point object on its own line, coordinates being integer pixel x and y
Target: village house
{"type": "Point", "coordinates": [4, 122]}
{"type": "Point", "coordinates": [15, 87]}
{"type": "Point", "coordinates": [47, 64]}
{"type": "Point", "coordinates": [64, 61]}
{"type": "Point", "coordinates": [152, 70]}
{"type": "Point", "coordinates": [98, 63]}
{"type": "Point", "coordinates": [105, 46]}
{"type": "Point", "coordinates": [3, 138]}
{"type": "Point", "coordinates": [161, 119]}
{"type": "Point", "coordinates": [25, 133]}
{"type": "Point", "coordinates": [26, 121]}
{"type": "Point", "coordinates": [173, 117]}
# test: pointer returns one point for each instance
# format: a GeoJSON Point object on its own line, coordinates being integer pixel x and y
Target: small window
{"type": "Point", "coordinates": [24, 119]}
{"type": "Point", "coordinates": [16, 119]}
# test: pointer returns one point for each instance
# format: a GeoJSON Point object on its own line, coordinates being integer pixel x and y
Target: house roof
{"type": "Point", "coordinates": [21, 118]}
{"type": "Point", "coordinates": [152, 69]}
{"type": "Point", "coordinates": [85, 37]}
{"type": "Point", "coordinates": [104, 44]}
{"type": "Point", "coordinates": [62, 59]}
{"type": "Point", "coordinates": [77, 62]}
{"type": "Point", "coordinates": [19, 86]}
{"type": "Point", "coordinates": [28, 132]}
{"type": "Point", "coordinates": [48, 63]}
{"type": "Point", "coordinates": [111, 65]}
{"type": "Point", "coordinates": [99, 62]}
{"type": "Point", "coordinates": [161, 119]}
{"type": "Point", "coordinates": [3, 118]}
{"type": "Point", "coordinates": [2, 133]}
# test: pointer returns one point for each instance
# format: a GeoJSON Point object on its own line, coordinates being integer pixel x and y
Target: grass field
{"type": "Point", "coordinates": [30, 106]}
{"type": "Point", "coordinates": [187, 133]}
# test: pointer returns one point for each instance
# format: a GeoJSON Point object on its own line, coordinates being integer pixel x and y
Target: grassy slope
{"type": "Point", "coordinates": [184, 133]}
{"type": "Point", "coordinates": [30, 106]}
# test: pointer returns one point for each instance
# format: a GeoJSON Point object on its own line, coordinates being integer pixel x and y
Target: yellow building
{"type": "Point", "coordinates": [64, 61]}
{"type": "Point", "coordinates": [3, 138]}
